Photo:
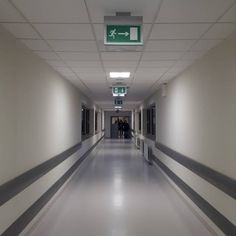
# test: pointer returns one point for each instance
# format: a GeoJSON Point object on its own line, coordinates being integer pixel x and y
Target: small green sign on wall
{"type": "Point", "coordinates": [123, 35]}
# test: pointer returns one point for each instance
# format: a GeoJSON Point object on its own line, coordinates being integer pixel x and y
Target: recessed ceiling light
{"type": "Point", "coordinates": [119, 74]}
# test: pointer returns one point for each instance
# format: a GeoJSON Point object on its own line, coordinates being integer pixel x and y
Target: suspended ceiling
{"type": "Point", "coordinates": [68, 34]}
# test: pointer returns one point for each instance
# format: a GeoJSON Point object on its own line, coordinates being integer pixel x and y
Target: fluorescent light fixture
{"type": "Point", "coordinates": [119, 75]}
{"type": "Point", "coordinates": [118, 95]}
{"type": "Point", "coordinates": [118, 107]}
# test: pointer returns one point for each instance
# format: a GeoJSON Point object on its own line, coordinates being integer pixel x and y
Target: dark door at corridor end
{"type": "Point", "coordinates": [115, 132]}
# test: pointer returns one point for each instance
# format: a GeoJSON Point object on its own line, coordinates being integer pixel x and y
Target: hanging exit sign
{"type": "Point", "coordinates": [118, 91]}
{"type": "Point", "coordinates": [123, 35]}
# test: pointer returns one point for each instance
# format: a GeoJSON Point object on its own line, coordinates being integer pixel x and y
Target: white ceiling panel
{"type": "Point", "coordinates": [99, 31]}
{"type": "Point", "coordinates": [120, 64]}
{"type": "Point", "coordinates": [204, 45]}
{"type": "Point", "coordinates": [169, 45]}
{"type": "Point", "coordinates": [56, 63]}
{"type": "Point", "coordinates": [178, 31]}
{"type": "Point", "coordinates": [118, 48]}
{"type": "Point", "coordinates": [83, 64]}
{"type": "Point", "coordinates": [92, 71]}
{"type": "Point", "coordinates": [36, 44]}
{"type": "Point", "coordinates": [73, 45]}
{"type": "Point", "coordinates": [151, 71]}
{"type": "Point", "coordinates": [65, 31]}
{"type": "Point", "coordinates": [91, 78]}
{"type": "Point", "coordinates": [192, 55]}
{"type": "Point", "coordinates": [157, 64]}
{"type": "Point", "coordinates": [192, 10]}
{"type": "Point", "coordinates": [220, 31]}
{"type": "Point", "coordinates": [230, 15]}
{"type": "Point", "coordinates": [153, 56]}
{"type": "Point", "coordinates": [53, 11]}
{"type": "Point", "coordinates": [100, 8]}
{"type": "Point", "coordinates": [79, 56]}
{"type": "Point", "coordinates": [21, 30]}
{"type": "Point", "coordinates": [8, 13]}
{"type": "Point", "coordinates": [120, 56]}
{"type": "Point", "coordinates": [47, 55]}
{"type": "Point", "coordinates": [91, 75]}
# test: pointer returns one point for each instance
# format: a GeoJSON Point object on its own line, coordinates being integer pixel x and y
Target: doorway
{"type": "Point", "coordinates": [116, 132]}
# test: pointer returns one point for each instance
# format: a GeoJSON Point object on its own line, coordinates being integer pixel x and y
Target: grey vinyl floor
{"type": "Point", "coordinates": [116, 193]}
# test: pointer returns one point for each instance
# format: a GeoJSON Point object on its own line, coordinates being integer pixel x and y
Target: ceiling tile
{"type": "Point", "coordinates": [83, 64]}
{"type": "Point", "coordinates": [192, 55]}
{"type": "Point", "coordinates": [169, 45]}
{"type": "Point", "coordinates": [151, 71]}
{"type": "Point", "coordinates": [73, 45]}
{"type": "Point", "coordinates": [119, 69]}
{"type": "Point", "coordinates": [36, 44]}
{"type": "Point", "coordinates": [178, 31]}
{"type": "Point", "coordinates": [21, 30]}
{"type": "Point", "coordinates": [88, 70]}
{"type": "Point", "coordinates": [91, 74]}
{"type": "Point", "coordinates": [65, 31]}
{"type": "Point", "coordinates": [157, 64]}
{"type": "Point", "coordinates": [204, 45]}
{"type": "Point", "coordinates": [53, 11]}
{"type": "Point", "coordinates": [120, 64]}
{"type": "Point", "coordinates": [230, 15]}
{"type": "Point", "coordinates": [192, 10]}
{"type": "Point", "coordinates": [118, 48]}
{"type": "Point", "coordinates": [56, 63]}
{"type": "Point", "coordinates": [8, 13]}
{"type": "Point", "coordinates": [100, 8]}
{"type": "Point", "coordinates": [47, 55]}
{"type": "Point", "coordinates": [79, 56]}
{"type": "Point", "coordinates": [220, 31]}
{"type": "Point", "coordinates": [153, 56]}
{"type": "Point", "coordinates": [90, 78]}
{"type": "Point", "coordinates": [119, 56]}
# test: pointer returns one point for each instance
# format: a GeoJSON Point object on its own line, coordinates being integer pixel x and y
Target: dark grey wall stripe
{"type": "Point", "coordinates": [18, 184]}
{"type": "Point", "coordinates": [19, 225]}
{"type": "Point", "coordinates": [223, 182]}
{"type": "Point", "coordinates": [223, 223]}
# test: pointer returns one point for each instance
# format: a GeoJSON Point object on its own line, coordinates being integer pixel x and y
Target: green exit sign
{"type": "Point", "coordinates": [119, 90]}
{"type": "Point", "coordinates": [123, 35]}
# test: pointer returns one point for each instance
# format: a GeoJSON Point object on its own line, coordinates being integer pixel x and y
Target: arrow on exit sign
{"type": "Point", "coordinates": [123, 35]}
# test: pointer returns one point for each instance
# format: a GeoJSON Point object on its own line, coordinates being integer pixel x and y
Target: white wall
{"type": "Point", "coordinates": [40, 117]}
{"type": "Point", "coordinates": [198, 119]}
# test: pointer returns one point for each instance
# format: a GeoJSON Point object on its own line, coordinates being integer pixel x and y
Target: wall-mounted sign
{"type": "Point", "coordinates": [123, 30]}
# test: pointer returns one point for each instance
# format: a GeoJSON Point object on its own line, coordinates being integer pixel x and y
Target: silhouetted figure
{"type": "Point", "coordinates": [126, 129]}
{"type": "Point", "coordinates": [120, 128]}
